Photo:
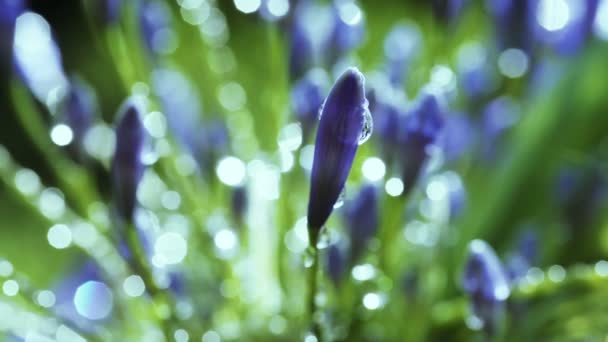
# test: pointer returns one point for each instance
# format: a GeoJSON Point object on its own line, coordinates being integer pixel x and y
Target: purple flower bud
{"type": "Point", "coordinates": [181, 104]}
{"type": "Point", "coordinates": [515, 22]}
{"type": "Point", "coordinates": [498, 116]}
{"type": "Point", "coordinates": [418, 131]}
{"type": "Point", "coordinates": [476, 76]}
{"type": "Point", "coordinates": [568, 38]}
{"type": "Point", "coordinates": [336, 264]}
{"type": "Point", "coordinates": [9, 11]}
{"type": "Point", "coordinates": [361, 218]}
{"type": "Point", "coordinates": [239, 203]}
{"type": "Point", "coordinates": [155, 23]}
{"type": "Point", "coordinates": [79, 108]}
{"type": "Point", "coordinates": [307, 97]}
{"type": "Point", "coordinates": [447, 11]}
{"type": "Point", "coordinates": [348, 30]}
{"type": "Point", "coordinates": [485, 281]}
{"type": "Point", "coordinates": [127, 166]}
{"type": "Point", "coordinates": [341, 125]}
{"type": "Point", "coordinates": [457, 137]}
{"type": "Point", "coordinates": [401, 45]}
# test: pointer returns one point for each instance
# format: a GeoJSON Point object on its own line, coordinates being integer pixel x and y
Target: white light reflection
{"type": "Point", "coordinates": [38, 57]}
{"type": "Point", "coordinates": [307, 154]}
{"type": "Point", "coordinates": [27, 181]}
{"type": "Point", "coordinates": [513, 63]}
{"type": "Point", "coordinates": [553, 15]}
{"type": "Point", "coordinates": [247, 6]}
{"type": "Point", "coordinates": [394, 187]}
{"type": "Point", "coordinates": [93, 300]}
{"type": "Point", "coordinates": [373, 301]}
{"type": "Point", "coordinates": [373, 169]}
{"type": "Point", "coordinates": [170, 248]}
{"type": "Point", "coordinates": [59, 236]}
{"type": "Point", "coordinates": [231, 171]}
{"type": "Point", "coordinates": [600, 24]}
{"type": "Point", "coordinates": [62, 135]}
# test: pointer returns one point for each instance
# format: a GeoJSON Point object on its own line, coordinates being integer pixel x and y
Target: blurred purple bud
{"type": "Point", "coordinates": [498, 116]}
{"type": "Point", "coordinates": [9, 11]}
{"type": "Point", "coordinates": [181, 104]}
{"type": "Point", "coordinates": [448, 11]}
{"type": "Point", "coordinates": [515, 23]}
{"type": "Point", "coordinates": [457, 136]}
{"type": "Point", "coordinates": [307, 97]}
{"type": "Point", "coordinates": [567, 35]}
{"type": "Point", "coordinates": [79, 108]}
{"type": "Point", "coordinates": [239, 203]}
{"type": "Point", "coordinates": [155, 25]}
{"type": "Point", "coordinates": [418, 130]}
{"type": "Point", "coordinates": [127, 165]}
{"type": "Point", "coordinates": [336, 264]}
{"type": "Point", "coordinates": [341, 126]}
{"type": "Point", "coordinates": [361, 219]}
{"type": "Point", "coordinates": [486, 283]}
{"type": "Point", "coordinates": [457, 194]}
{"type": "Point", "coordinates": [476, 76]}
{"type": "Point", "coordinates": [349, 28]}
{"type": "Point", "coordinates": [401, 45]}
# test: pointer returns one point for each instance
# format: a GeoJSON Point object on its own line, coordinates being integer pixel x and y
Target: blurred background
{"type": "Point", "coordinates": [476, 210]}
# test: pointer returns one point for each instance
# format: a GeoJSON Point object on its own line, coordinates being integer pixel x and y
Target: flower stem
{"type": "Point", "coordinates": [313, 236]}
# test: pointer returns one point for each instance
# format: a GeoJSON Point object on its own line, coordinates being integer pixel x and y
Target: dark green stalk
{"type": "Point", "coordinates": [313, 237]}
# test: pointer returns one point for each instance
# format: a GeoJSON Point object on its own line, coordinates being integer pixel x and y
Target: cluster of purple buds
{"type": "Point", "coordinates": [486, 283]}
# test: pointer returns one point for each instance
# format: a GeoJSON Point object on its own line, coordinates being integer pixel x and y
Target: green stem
{"type": "Point", "coordinates": [313, 237]}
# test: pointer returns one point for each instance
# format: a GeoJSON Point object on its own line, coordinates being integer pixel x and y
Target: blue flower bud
{"type": "Point", "coordinates": [361, 218]}
{"type": "Point", "coordinates": [447, 11]}
{"type": "Point", "coordinates": [486, 283]}
{"type": "Point", "coordinates": [9, 11]}
{"type": "Point", "coordinates": [348, 30]}
{"type": "Point", "coordinates": [127, 165]}
{"type": "Point", "coordinates": [498, 116]}
{"type": "Point", "coordinates": [79, 108]}
{"type": "Point", "coordinates": [418, 131]}
{"type": "Point", "coordinates": [524, 256]}
{"type": "Point", "coordinates": [401, 45]}
{"type": "Point", "coordinates": [155, 24]}
{"type": "Point", "coordinates": [515, 22]}
{"type": "Point", "coordinates": [341, 127]}
{"type": "Point", "coordinates": [576, 31]}
{"type": "Point", "coordinates": [336, 264]}
{"type": "Point", "coordinates": [181, 104]}
{"type": "Point", "coordinates": [239, 203]}
{"type": "Point", "coordinates": [307, 97]}
{"type": "Point", "coordinates": [457, 136]}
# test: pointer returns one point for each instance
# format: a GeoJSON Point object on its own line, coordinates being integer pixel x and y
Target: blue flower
{"type": "Point", "coordinates": [336, 264]}
{"type": "Point", "coordinates": [79, 108]}
{"type": "Point", "coordinates": [361, 218]}
{"type": "Point", "coordinates": [127, 165]}
{"type": "Point", "coordinates": [401, 45]}
{"type": "Point", "coordinates": [155, 25]}
{"type": "Point", "coordinates": [515, 23]}
{"type": "Point", "coordinates": [457, 137]}
{"type": "Point", "coordinates": [348, 29]}
{"type": "Point", "coordinates": [497, 117]}
{"type": "Point", "coordinates": [341, 126]}
{"type": "Point", "coordinates": [9, 11]}
{"type": "Point", "coordinates": [307, 97]}
{"type": "Point", "coordinates": [418, 131]}
{"type": "Point", "coordinates": [486, 283]}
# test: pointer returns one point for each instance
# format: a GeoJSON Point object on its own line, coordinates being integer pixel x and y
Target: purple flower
{"type": "Point", "coordinates": [476, 76]}
{"type": "Point", "coordinates": [447, 11]}
{"type": "Point", "coordinates": [486, 283]}
{"type": "Point", "coordinates": [418, 131]}
{"type": "Point", "coordinates": [79, 108]}
{"type": "Point", "coordinates": [401, 45]}
{"type": "Point", "coordinates": [9, 11]}
{"type": "Point", "coordinates": [336, 264]}
{"type": "Point", "coordinates": [239, 203]}
{"type": "Point", "coordinates": [457, 137]}
{"type": "Point", "coordinates": [361, 219]}
{"type": "Point", "coordinates": [155, 25]}
{"type": "Point", "coordinates": [515, 23]}
{"type": "Point", "coordinates": [127, 166]}
{"type": "Point", "coordinates": [498, 116]}
{"type": "Point", "coordinates": [341, 126]}
{"type": "Point", "coordinates": [524, 256]}
{"type": "Point", "coordinates": [348, 29]}
{"type": "Point", "coordinates": [307, 97]}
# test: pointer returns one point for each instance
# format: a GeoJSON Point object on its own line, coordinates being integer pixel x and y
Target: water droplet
{"type": "Point", "coordinates": [368, 127]}
{"type": "Point", "coordinates": [309, 257]}
{"type": "Point", "coordinates": [324, 239]}
{"type": "Point", "coordinates": [340, 202]}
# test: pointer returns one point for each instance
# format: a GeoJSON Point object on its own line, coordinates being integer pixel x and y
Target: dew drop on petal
{"type": "Point", "coordinates": [368, 127]}
{"type": "Point", "coordinates": [340, 202]}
